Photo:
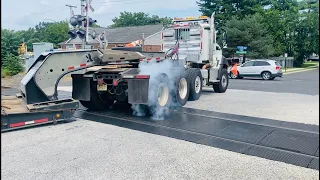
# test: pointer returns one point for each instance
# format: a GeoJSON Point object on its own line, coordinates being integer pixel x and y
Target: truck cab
{"type": "Point", "coordinates": [197, 46]}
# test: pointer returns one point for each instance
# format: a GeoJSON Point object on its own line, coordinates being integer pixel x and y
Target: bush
{"type": "Point", "coordinates": [4, 72]}
{"type": "Point", "coordinates": [11, 65]}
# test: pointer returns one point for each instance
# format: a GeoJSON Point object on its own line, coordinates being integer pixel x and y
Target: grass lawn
{"type": "Point", "coordinates": [309, 64]}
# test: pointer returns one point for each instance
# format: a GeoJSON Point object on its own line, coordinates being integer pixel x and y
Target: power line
{"type": "Point", "coordinates": [39, 13]}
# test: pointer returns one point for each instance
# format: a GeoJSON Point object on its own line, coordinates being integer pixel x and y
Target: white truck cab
{"type": "Point", "coordinates": [197, 46]}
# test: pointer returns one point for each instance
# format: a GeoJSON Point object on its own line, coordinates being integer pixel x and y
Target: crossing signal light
{"type": "Point", "coordinates": [72, 34]}
{"type": "Point", "coordinates": [81, 33]}
{"type": "Point", "coordinates": [91, 21]}
{"type": "Point", "coordinates": [77, 20]}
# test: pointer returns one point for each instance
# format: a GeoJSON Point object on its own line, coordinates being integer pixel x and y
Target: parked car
{"type": "Point", "coordinates": [266, 69]}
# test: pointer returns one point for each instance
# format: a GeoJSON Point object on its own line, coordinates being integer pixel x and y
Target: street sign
{"type": "Point", "coordinates": [241, 52]}
{"type": "Point", "coordinates": [285, 54]}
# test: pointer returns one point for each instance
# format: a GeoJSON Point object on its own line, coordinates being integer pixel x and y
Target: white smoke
{"type": "Point", "coordinates": [154, 68]}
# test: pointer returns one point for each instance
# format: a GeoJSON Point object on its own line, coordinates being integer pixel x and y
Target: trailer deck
{"type": "Point", "coordinates": [16, 114]}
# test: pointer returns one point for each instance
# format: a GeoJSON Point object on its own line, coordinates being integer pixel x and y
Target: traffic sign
{"type": "Point", "coordinates": [241, 52]}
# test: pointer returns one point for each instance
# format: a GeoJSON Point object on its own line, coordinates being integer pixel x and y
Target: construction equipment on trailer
{"type": "Point", "coordinates": [101, 77]}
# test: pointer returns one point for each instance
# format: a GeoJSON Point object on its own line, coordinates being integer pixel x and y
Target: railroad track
{"type": "Point", "coordinates": [291, 143]}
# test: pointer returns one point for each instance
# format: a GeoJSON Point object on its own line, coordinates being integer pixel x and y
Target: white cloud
{"type": "Point", "coordinates": [43, 2]}
{"type": "Point", "coordinates": [103, 8]}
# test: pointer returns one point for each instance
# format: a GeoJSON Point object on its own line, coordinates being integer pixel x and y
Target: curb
{"type": "Point", "coordinates": [301, 70]}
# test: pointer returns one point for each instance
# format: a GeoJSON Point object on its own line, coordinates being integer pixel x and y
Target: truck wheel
{"type": "Point", "coordinates": [222, 85]}
{"type": "Point", "coordinates": [159, 93]}
{"type": "Point", "coordinates": [195, 81]}
{"type": "Point", "coordinates": [97, 101]}
{"type": "Point", "coordinates": [181, 90]}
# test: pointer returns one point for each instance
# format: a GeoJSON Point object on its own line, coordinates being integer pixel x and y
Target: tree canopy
{"type": "Point", "coordinates": [289, 26]}
{"type": "Point", "coordinates": [138, 19]}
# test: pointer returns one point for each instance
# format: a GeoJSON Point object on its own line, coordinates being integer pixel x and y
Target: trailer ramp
{"type": "Point", "coordinates": [15, 114]}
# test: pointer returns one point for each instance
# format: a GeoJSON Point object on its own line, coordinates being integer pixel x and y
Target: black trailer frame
{"type": "Point", "coordinates": [39, 114]}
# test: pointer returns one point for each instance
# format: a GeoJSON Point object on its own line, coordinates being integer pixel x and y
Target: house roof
{"type": "Point", "coordinates": [121, 34]}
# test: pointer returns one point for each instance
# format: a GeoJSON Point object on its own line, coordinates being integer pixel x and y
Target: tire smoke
{"type": "Point", "coordinates": [157, 71]}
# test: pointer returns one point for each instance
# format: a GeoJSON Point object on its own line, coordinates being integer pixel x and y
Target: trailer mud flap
{"type": "Point", "coordinates": [138, 90]}
{"type": "Point", "coordinates": [80, 87]}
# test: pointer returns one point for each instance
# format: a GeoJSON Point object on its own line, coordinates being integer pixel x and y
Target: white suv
{"type": "Point", "coordinates": [266, 69]}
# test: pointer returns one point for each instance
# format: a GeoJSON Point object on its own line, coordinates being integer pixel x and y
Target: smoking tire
{"type": "Point", "coordinates": [222, 85]}
{"type": "Point", "coordinates": [159, 93]}
{"type": "Point", "coordinates": [195, 81]}
{"type": "Point", "coordinates": [97, 101]}
{"type": "Point", "coordinates": [181, 90]}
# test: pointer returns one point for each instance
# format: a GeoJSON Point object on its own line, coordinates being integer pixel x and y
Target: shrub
{"type": "Point", "coordinates": [12, 65]}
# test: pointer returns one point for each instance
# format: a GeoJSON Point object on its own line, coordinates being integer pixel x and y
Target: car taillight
{"type": "Point", "coordinates": [277, 67]}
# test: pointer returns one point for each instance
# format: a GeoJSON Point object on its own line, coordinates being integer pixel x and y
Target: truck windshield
{"type": "Point", "coordinates": [182, 34]}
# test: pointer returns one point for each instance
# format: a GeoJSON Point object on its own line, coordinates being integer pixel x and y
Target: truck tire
{"type": "Point", "coordinates": [222, 85]}
{"type": "Point", "coordinates": [97, 101]}
{"type": "Point", "coordinates": [159, 94]}
{"type": "Point", "coordinates": [195, 81]}
{"type": "Point", "coordinates": [181, 90]}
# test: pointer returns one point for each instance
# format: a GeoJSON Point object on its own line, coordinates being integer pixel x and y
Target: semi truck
{"type": "Point", "coordinates": [190, 59]}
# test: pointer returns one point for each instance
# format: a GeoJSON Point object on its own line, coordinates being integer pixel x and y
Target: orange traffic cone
{"type": "Point", "coordinates": [234, 69]}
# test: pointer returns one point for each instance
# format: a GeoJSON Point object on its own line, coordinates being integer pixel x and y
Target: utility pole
{"type": "Point", "coordinates": [87, 21]}
{"type": "Point", "coordinates": [71, 11]}
{"type": "Point", "coordinates": [82, 26]}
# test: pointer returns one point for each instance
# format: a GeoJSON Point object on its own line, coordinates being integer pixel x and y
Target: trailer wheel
{"type": "Point", "coordinates": [159, 93]}
{"type": "Point", "coordinates": [195, 81]}
{"type": "Point", "coordinates": [181, 90]}
{"type": "Point", "coordinates": [97, 101]}
{"type": "Point", "coordinates": [222, 85]}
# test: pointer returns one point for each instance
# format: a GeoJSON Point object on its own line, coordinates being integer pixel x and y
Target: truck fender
{"type": "Point", "coordinates": [223, 64]}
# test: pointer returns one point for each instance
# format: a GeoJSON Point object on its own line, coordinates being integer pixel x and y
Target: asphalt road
{"type": "Point", "coordinates": [306, 82]}
{"type": "Point", "coordinates": [85, 149]}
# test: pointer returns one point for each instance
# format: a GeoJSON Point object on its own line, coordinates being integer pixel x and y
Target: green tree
{"type": "Point", "coordinates": [11, 64]}
{"type": "Point", "coordinates": [250, 32]}
{"type": "Point", "coordinates": [226, 9]}
{"type": "Point", "coordinates": [56, 32]}
{"type": "Point", "coordinates": [137, 19]}
{"type": "Point", "coordinates": [9, 42]}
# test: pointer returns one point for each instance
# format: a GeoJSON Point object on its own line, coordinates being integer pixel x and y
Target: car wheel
{"type": "Point", "coordinates": [233, 76]}
{"type": "Point", "coordinates": [266, 75]}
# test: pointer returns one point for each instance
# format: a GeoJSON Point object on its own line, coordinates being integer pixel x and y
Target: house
{"type": "Point", "coordinates": [118, 37]}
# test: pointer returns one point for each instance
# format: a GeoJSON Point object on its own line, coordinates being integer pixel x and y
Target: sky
{"type": "Point", "coordinates": [21, 14]}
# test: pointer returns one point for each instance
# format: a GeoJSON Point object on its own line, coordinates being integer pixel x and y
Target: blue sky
{"type": "Point", "coordinates": [24, 14]}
